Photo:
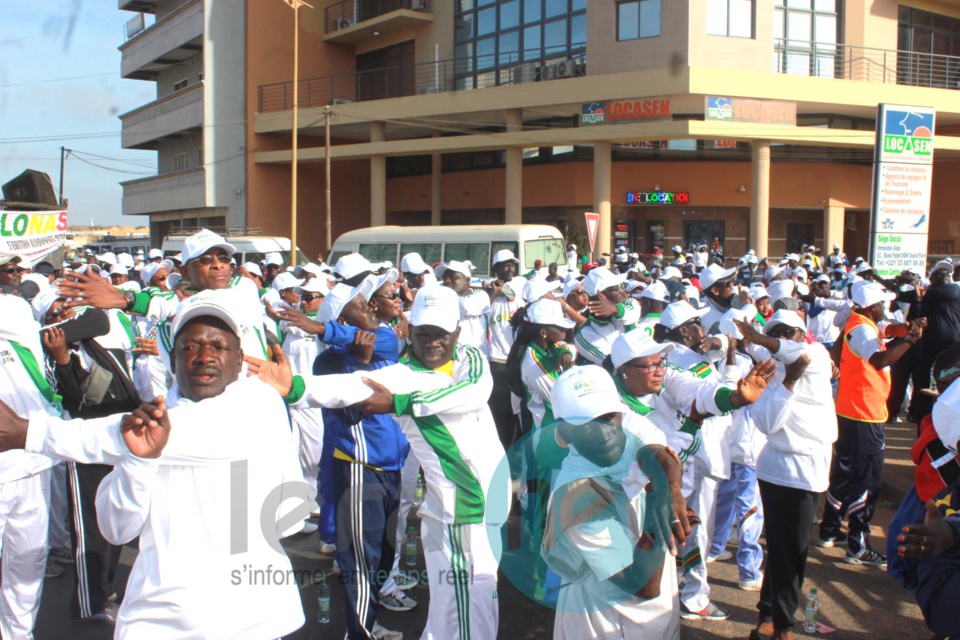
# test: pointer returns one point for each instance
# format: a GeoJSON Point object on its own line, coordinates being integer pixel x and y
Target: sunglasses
{"type": "Point", "coordinates": [392, 296]}
{"type": "Point", "coordinates": [649, 368]}
{"type": "Point", "coordinates": [786, 332]}
{"type": "Point", "coordinates": [206, 261]}
{"type": "Point", "coordinates": [310, 297]}
{"type": "Point", "coordinates": [13, 270]}
{"type": "Point", "coordinates": [695, 321]}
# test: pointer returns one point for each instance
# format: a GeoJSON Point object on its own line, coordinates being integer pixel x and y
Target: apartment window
{"type": "Point", "coordinates": [387, 72]}
{"type": "Point", "coordinates": [179, 86]}
{"type": "Point", "coordinates": [929, 38]}
{"type": "Point", "coordinates": [805, 35]}
{"type": "Point", "coordinates": [200, 162]}
{"type": "Point", "coordinates": [495, 40]}
{"type": "Point", "coordinates": [181, 161]}
{"type": "Point", "coordinates": [733, 18]}
{"type": "Point", "coordinates": [639, 19]}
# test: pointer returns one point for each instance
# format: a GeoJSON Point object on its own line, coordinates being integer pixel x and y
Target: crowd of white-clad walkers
{"type": "Point", "coordinates": [638, 413]}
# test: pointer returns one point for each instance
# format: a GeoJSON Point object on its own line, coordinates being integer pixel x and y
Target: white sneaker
{"type": "Point", "coordinates": [724, 555]}
{"type": "Point", "coordinates": [405, 581]}
{"type": "Point", "coordinates": [752, 585]}
{"type": "Point", "coordinates": [308, 527]}
{"type": "Point", "coordinates": [381, 633]}
{"type": "Point", "coordinates": [108, 615]}
{"type": "Point", "coordinates": [397, 601]}
{"type": "Point", "coordinates": [327, 548]}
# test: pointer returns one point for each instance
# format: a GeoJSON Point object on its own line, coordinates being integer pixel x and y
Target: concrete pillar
{"type": "Point", "coordinates": [436, 170]}
{"type": "Point", "coordinates": [513, 204]}
{"type": "Point", "coordinates": [602, 163]}
{"type": "Point", "coordinates": [833, 221]}
{"type": "Point", "coordinates": [378, 179]}
{"type": "Point", "coordinates": [760, 203]}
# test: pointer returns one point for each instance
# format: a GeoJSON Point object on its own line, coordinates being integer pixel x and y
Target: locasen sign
{"type": "Point", "coordinates": [618, 111]}
{"type": "Point", "coordinates": [658, 197]}
{"type": "Point", "coordinates": [750, 110]}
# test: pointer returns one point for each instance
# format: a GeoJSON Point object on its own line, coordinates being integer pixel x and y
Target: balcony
{"type": "Point", "coordinates": [170, 116]}
{"type": "Point", "coordinates": [167, 42]}
{"type": "Point", "coordinates": [422, 79]}
{"type": "Point", "coordinates": [140, 6]}
{"type": "Point", "coordinates": [357, 21]}
{"type": "Point", "coordinates": [849, 62]}
{"type": "Point", "coordinates": [167, 192]}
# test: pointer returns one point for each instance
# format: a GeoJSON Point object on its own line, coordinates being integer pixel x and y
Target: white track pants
{"type": "Point", "coordinates": [24, 518]}
{"type": "Point", "coordinates": [700, 492]}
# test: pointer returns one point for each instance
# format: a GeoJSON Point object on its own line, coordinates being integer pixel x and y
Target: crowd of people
{"type": "Point", "coordinates": [635, 417]}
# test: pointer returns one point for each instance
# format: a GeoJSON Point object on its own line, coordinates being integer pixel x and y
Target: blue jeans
{"type": "Point", "coordinates": [739, 499]}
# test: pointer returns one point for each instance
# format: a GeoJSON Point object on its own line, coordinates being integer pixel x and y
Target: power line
{"type": "Point", "coordinates": [148, 165]}
{"type": "Point", "coordinates": [30, 84]}
{"type": "Point", "coordinates": [100, 166]}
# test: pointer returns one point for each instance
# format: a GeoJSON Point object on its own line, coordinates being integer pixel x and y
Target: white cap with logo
{"type": "Point", "coordinates": [636, 344]}
{"type": "Point", "coordinates": [583, 393]}
{"type": "Point", "coordinates": [211, 302]}
{"type": "Point", "coordinates": [202, 241]}
{"type": "Point", "coordinates": [678, 313]}
{"type": "Point", "coordinates": [436, 306]}
{"type": "Point", "coordinates": [713, 274]}
{"type": "Point", "coordinates": [599, 279]}
{"type": "Point", "coordinates": [456, 266]}
{"type": "Point", "coordinates": [550, 313]}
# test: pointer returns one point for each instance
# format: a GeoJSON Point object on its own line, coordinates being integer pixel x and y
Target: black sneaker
{"type": "Point", "coordinates": [867, 556]}
{"type": "Point", "coordinates": [834, 541]}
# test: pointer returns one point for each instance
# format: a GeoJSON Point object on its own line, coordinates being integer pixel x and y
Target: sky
{"type": "Point", "coordinates": [60, 85]}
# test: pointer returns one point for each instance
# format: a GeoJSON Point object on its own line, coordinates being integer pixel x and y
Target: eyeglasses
{"type": "Point", "coordinates": [785, 332]}
{"type": "Point", "coordinates": [13, 270]}
{"type": "Point", "coordinates": [206, 260]}
{"type": "Point", "coordinates": [392, 296]}
{"type": "Point", "coordinates": [648, 368]}
{"type": "Point", "coordinates": [309, 297]}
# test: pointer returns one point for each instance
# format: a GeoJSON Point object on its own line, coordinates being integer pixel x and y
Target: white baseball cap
{"type": "Point", "coordinates": [713, 274]}
{"type": "Point", "coordinates": [253, 267]}
{"type": "Point", "coordinates": [634, 287]}
{"type": "Point", "coordinates": [107, 257]}
{"type": "Point", "coordinates": [822, 278]}
{"type": "Point", "coordinates": [636, 344]}
{"type": "Point", "coordinates": [286, 280]}
{"type": "Point", "coordinates": [436, 306]}
{"type": "Point", "coordinates": [536, 288]}
{"type": "Point", "coordinates": [657, 291]}
{"type": "Point", "coordinates": [572, 285]}
{"type": "Point", "coordinates": [784, 316]}
{"type": "Point", "coordinates": [42, 302]}
{"type": "Point", "coordinates": [390, 275]}
{"type": "Point", "coordinates": [758, 292]}
{"type": "Point", "coordinates": [671, 272]}
{"type": "Point", "coordinates": [314, 285]}
{"type": "Point", "coordinates": [792, 256]}
{"type": "Point", "coordinates": [600, 279]}
{"type": "Point", "coordinates": [413, 263]}
{"type": "Point", "coordinates": [836, 246]}
{"type": "Point", "coordinates": [126, 260]}
{"type": "Point", "coordinates": [340, 296]}
{"type": "Point", "coordinates": [726, 325]}
{"type": "Point", "coordinates": [173, 280]}
{"type": "Point", "coordinates": [581, 394]}
{"type": "Point", "coordinates": [273, 258]}
{"type": "Point", "coordinates": [677, 248]}
{"type": "Point", "coordinates": [129, 285]}
{"type": "Point", "coordinates": [866, 293]}
{"type": "Point", "coordinates": [150, 270]}
{"type": "Point", "coordinates": [504, 255]}
{"type": "Point", "coordinates": [943, 264]}
{"type": "Point", "coordinates": [201, 242]}
{"type": "Point", "coordinates": [456, 266]}
{"type": "Point", "coordinates": [678, 313]}
{"type": "Point", "coordinates": [155, 253]}
{"type": "Point", "coordinates": [118, 270]}
{"type": "Point", "coordinates": [211, 302]}
{"type": "Point", "coordinates": [772, 272]}
{"type": "Point", "coordinates": [548, 312]}
{"type": "Point", "coordinates": [352, 265]}
{"type": "Point", "coordinates": [946, 417]}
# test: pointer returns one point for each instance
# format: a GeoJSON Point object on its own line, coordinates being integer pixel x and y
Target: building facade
{"type": "Point", "coordinates": [750, 122]}
{"type": "Point", "coordinates": [194, 51]}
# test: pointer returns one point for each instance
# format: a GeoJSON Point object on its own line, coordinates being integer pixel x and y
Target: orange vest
{"type": "Point", "coordinates": [862, 391]}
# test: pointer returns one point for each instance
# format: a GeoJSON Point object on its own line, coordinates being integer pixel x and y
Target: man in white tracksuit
{"type": "Point", "coordinates": [439, 395]}
{"type": "Point", "coordinates": [24, 477]}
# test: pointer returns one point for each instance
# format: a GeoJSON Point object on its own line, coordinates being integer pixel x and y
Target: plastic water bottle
{"type": "Point", "coordinates": [323, 601]}
{"type": "Point", "coordinates": [810, 611]}
{"type": "Point", "coordinates": [421, 490]}
{"type": "Point", "coordinates": [410, 548]}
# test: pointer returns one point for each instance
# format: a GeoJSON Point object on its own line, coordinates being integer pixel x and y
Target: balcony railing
{"type": "Point", "coordinates": [165, 192]}
{"type": "Point", "coordinates": [167, 116]}
{"type": "Point", "coordinates": [423, 78]}
{"type": "Point", "coordinates": [345, 14]}
{"type": "Point", "coordinates": [851, 62]}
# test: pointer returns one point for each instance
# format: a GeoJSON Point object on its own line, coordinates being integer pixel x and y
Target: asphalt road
{"type": "Point", "coordinates": [860, 602]}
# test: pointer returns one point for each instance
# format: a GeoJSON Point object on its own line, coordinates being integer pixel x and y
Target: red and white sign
{"type": "Point", "coordinates": [593, 224]}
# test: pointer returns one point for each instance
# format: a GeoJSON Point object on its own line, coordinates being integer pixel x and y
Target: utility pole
{"type": "Point", "coordinates": [295, 5]}
{"type": "Point", "coordinates": [63, 156]}
{"type": "Point", "coordinates": [327, 114]}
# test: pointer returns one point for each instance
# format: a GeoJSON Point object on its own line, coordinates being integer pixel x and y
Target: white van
{"type": "Point", "coordinates": [251, 247]}
{"type": "Point", "coordinates": [476, 243]}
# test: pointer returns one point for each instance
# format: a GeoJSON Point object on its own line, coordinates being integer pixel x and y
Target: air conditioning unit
{"type": "Point", "coordinates": [423, 91]}
{"type": "Point", "coordinates": [341, 101]}
{"type": "Point", "coordinates": [562, 69]}
{"type": "Point", "coordinates": [418, 5]}
{"type": "Point", "coordinates": [523, 74]}
{"type": "Point", "coordinates": [342, 23]}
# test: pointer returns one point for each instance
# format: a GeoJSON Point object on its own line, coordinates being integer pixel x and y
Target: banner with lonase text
{"type": "Point", "coordinates": [31, 234]}
{"type": "Point", "coordinates": [902, 180]}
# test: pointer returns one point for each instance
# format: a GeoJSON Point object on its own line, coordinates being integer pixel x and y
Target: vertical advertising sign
{"type": "Point", "coordinates": [902, 179]}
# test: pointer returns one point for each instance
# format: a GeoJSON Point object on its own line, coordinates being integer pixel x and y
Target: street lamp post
{"type": "Point", "coordinates": [295, 5]}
